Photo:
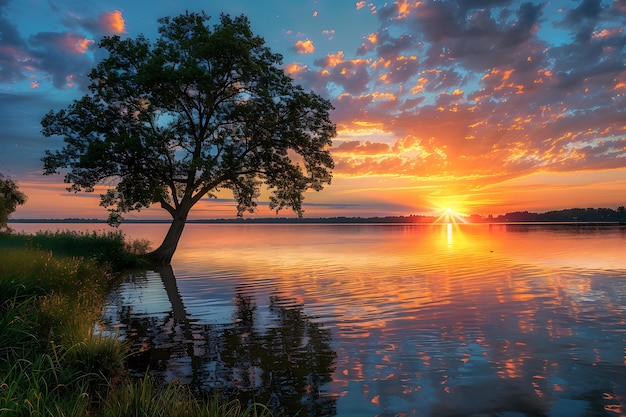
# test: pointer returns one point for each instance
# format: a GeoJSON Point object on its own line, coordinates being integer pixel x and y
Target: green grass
{"type": "Point", "coordinates": [40, 384]}
{"type": "Point", "coordinates": [109, 248]}
{"type": "Point", "coordinates": [52, 363]}
{"type": "Point", "coordinates": [142, 398]}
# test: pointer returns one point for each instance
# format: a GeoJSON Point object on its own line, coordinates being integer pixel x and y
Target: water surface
{"type": "Point", "coordinates": [388, 320]}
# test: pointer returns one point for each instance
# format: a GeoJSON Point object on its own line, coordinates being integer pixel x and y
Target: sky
{"type": "Point", "coordinates": [481, 106]}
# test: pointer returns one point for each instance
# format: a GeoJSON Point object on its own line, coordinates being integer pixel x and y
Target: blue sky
{"type": "Point", "coordinates": [484, 106]}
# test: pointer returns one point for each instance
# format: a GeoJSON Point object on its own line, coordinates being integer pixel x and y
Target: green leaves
{"type": "Point", "coordinates": [202, 108]}
{"type": "Point", "coordinates": [10, 198]}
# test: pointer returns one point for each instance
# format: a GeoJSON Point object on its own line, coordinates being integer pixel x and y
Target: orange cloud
{"type": "Point", "coordinates": [362, 4]}
{"type": "Point", "coordinates": [294, 68]}
{"type": "Point", "coordinates": [505, 79]}
{"type": "Point", "coordinates": [112, 22]}
{"type": "Point", "coordinates": [332, 60]}
{"type": "Point", "coordinates": [335, 60]}
{"type": "Point", "coordinates": [76, 44]}
{"type": "Point", "coordinates": [620, 85]}
{"type": "Point", "coordinates": [404, 8]}
{"type": "Point", "coordinates": [305, 47]}
{"type": "Point", "coordinates": [607, 33]}
{"type": "Point", "coordinates": [373, 38]}
{"type": "Point", "coordinates": [419, 87]}
{"type": "Point", "coordinates": [383, 96]}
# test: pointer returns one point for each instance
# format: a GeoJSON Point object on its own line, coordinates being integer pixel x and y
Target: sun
{"type": "Point", "coordinates": [449, 215]}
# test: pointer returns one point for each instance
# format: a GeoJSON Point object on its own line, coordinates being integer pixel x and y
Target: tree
{"type": "Point", "coordinates": [198, 111]}
{"type": "Point", "coordinates": [10, 198]}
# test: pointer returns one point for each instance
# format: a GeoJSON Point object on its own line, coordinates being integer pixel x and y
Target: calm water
{"type": "Point", "coordinates": [388, 320]}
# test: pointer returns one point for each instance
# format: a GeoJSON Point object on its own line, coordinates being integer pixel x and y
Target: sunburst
{"type": "Point", "coordinates": [449, 215]}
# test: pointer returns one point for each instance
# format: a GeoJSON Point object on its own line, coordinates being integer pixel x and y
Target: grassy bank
{"type": "Point", "coordinates": [109, 249]}
{"type": "Point", "coordinates": [52, 363]}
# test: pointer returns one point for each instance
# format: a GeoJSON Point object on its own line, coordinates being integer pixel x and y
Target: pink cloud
{"type": "Point", "coordinates": [69, 81]}
{"type": "Point", "coordinates": [329, 33]}
{"type": "Point", "coordinates": [69, 43]}
{"type": "Point", "coordinates": [79, 44]}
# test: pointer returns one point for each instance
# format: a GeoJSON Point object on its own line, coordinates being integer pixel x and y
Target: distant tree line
{"type": "Point", "coordinates": [566, 215]}
{"type": "Point", "coordinates": [599, 215]}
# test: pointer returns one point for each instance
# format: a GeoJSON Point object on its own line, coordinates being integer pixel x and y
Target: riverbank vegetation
{"type": "Point", "coordinates": [52, 361]}
{"type": "Point", "coordinates": [111, 249]}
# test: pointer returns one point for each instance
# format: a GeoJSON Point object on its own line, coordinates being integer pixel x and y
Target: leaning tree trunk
{"type": "Point", "coordinates": [164, 253]}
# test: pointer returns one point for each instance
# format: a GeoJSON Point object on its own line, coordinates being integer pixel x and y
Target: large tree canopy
{"type": "Point", "coordinates": [10, 198]}
{"type": "Point", "coordinates": [200, 110]}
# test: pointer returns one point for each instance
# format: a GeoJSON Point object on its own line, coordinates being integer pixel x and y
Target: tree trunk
{"type": "Point", "coordinates": [164, 253]}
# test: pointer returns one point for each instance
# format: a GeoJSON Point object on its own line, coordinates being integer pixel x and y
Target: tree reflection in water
{"type": "Point", "coordinates": [280, 358]}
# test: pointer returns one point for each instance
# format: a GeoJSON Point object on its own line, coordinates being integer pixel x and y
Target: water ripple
{"type": "Point", "coordinates": [424, 320]}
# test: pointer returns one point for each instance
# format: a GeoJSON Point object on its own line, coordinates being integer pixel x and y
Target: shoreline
{"type": "Point", "coordinates": [329, 221]}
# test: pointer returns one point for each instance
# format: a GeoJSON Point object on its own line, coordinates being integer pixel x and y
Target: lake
{"type": "Point", "coordinates": [386, 320]}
